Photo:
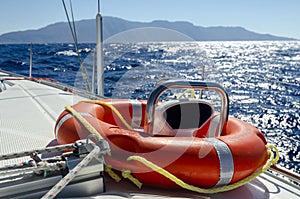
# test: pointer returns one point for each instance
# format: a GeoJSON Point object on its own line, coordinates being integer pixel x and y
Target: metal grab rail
{"type": "Point", "coordinates": [168, 84]}
{"type": "Point", "coordinates": [293, 176]}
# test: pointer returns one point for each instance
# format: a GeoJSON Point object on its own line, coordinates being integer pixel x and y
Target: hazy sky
{"type": "Point", "coordinates": [277, 17]}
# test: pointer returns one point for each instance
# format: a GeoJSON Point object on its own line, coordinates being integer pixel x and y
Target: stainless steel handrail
{"type": "Point", "coordinates": [293, 176]}
{"type": "Point", "coordinates": [168, 84]}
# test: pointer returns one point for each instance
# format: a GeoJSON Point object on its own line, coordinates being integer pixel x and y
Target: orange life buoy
{"type": "Point", "coordinates": [194, 158]}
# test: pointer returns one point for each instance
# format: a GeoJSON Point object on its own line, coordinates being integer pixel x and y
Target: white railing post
{"type": "Point", "coordinates": [99, 53]}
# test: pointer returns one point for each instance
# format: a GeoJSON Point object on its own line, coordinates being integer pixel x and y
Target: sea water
{"type": "Point", "coordinates": [262, 78]}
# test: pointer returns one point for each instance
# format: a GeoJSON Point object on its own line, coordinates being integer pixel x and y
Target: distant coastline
{"type": "Point", "coordinates": [120, 30]}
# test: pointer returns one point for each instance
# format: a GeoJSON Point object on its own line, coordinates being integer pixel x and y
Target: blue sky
{"type": "Point", "coordinates": [277, 17]}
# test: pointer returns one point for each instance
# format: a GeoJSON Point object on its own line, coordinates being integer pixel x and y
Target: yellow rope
{"type": "Point", "coordinates": [83, 121]}
{"type": "Point", "coordinates": [187, 90]}
{"type": "Point", "coordinates": [127, 174]}
{"type": "Point", "coordinates": [272, 160]}
{"type": "Point", "coordinates": [112, 108]}
{"type": "Point", "coordinates": [91, 129]}
{"type": "Point", "coordinates": [112, 174]}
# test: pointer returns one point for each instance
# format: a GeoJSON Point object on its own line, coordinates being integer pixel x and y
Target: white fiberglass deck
{"type": "Point", "coordinates": [28, 111]}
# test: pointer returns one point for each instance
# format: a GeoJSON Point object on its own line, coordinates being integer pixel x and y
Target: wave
{"type": "Point", "coordinates": [262, 78]}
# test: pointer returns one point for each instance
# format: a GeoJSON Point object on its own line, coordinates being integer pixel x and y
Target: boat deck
{"type": "Point", "coordinates": [28, 112]}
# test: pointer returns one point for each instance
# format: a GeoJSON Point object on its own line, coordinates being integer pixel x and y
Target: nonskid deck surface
{"type": "Point", "coordinates": [28, 112]}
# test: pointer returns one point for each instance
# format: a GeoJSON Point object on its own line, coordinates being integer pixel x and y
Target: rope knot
{"type": "Point", "coordinates": [127, 174]}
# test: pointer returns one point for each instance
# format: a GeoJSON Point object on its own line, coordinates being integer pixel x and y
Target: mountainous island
{"type": "Point", "coordinates": [120, 30]}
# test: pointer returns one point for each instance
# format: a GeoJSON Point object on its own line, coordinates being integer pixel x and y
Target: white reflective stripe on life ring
{"type": "Point", "coordinates": [213, 127]}
{"type": "Point", "coordinates": [226, 160]}
{"type": "Point", "coordinates": [136, 114]}
{"type": "Point", "coordinates": [65, 118]}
